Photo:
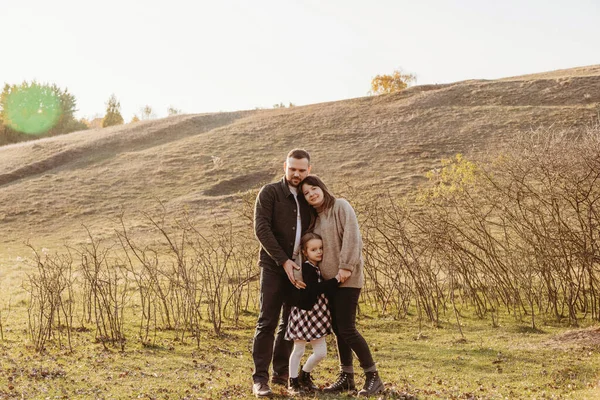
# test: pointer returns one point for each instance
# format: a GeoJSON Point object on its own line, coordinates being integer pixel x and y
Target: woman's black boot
{"type": "Point", "coordinates": [373, 384]}
{"type": "Point", "coordinates": [344, 382]}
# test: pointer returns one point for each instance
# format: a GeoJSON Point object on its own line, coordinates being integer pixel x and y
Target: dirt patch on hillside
{"type": "Point", "coordinates": [94, 146]}
{"type": "Point", "coordinates": [589, 337]}
{"type": "Point", "coordinates": [239, 183]}
{"type": "Point", "coordinates": [42, 166]}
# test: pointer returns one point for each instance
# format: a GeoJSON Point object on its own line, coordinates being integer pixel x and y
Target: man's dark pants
{"type": "Point", "coordinates": [272, 292]}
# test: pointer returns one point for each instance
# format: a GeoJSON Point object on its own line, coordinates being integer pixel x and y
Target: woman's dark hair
{"type": "Point", "coordinates": [328, 197]}
{"type": "Point", "coordinates": [308, 237]}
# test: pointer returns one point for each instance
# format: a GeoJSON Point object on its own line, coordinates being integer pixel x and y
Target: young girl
{"type": "Point", "coordinates": [310, 319]}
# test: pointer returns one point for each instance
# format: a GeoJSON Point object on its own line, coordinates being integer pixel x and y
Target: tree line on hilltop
{"type": "Point", "coordinates": [31, 110]}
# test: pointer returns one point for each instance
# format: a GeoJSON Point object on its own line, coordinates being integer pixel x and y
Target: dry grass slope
{"type": "Point", "coordinates": [50, 187]}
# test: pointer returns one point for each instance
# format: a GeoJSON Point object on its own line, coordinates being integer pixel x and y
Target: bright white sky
{"type": "Point", "coordinates": [223, 55]}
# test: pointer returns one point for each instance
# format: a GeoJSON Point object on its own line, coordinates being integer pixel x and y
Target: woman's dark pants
{"type": "Point", "coordinates": [343, 305]}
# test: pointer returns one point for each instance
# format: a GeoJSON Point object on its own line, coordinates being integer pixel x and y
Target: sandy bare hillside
{"type": "Point", "coordinates": [591, 70]}
{"type": "Point", "coordinates": [50, 187]}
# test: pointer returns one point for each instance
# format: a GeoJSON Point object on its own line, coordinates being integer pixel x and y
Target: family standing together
{"type": "Point", "coordinates": [310, 282]}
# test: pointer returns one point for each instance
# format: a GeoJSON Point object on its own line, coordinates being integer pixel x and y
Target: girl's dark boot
{"type": "Point", "coordinates": [294, 388]}
{"type": "Point", "coordinates": [306, 382]}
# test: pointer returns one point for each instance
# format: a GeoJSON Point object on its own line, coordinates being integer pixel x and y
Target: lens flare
{"type": "Point", "coordinates": [33, 110]}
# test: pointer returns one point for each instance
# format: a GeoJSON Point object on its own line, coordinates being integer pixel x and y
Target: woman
{"type": "Point", "coordinates": [336, 223]}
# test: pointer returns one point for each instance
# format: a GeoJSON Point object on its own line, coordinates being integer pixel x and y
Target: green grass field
{"type": "Point", "coordinates": [507, 362]}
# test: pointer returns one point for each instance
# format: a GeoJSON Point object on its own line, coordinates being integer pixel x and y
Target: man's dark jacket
{"type": "Point", "coordinates": [275, 223]}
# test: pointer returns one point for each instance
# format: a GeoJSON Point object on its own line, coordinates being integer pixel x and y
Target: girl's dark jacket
{"type": "Point", "coordinates": [307, 297]}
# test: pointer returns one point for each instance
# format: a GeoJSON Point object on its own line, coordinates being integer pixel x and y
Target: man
{"type": "Point", "coordinates": [281, 217]}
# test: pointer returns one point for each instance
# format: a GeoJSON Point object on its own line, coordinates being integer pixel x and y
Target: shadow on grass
{"type": "Point", "coordinates": [388, 393]}
{"type": "Point", "coordinates": [528, 329]}
{"type": "Point", "coordinates": [160, 347]}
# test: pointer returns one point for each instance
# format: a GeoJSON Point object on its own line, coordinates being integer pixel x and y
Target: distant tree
{"type": "Point", "coordinates": [281, 105]}
{"type": "Point", "coordinates": [397, 81]}
{"type": "Point", "coordinates": [147, 113]}
{"type": "Point", "coordinates": [76, 125]}
{"type": "Point", "coordinates": [94, 121]}
{"type": "Point", "coordinates": [36, 109]}
{"type": "Point", "coordinates": [134, 119]}
{"type": "Point", "coordinates": [113, 112]}
{"type": "Point", "coordinates": [67, 122]}
{"type": "Point", "coordinates": [173, 111]}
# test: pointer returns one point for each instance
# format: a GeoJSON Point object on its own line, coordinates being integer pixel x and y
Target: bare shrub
{"type": "Point", "coordinates": [189, 272]}
{"type": "Point", "coordinates": [214, 255]}
{"type": "Point", "coordinates": [106, 285]}
{"type": "Point", "coordinates": [142, 265]}
{"type": "Point", "coordinates": [521, 231]}
{"type": "Point", "coordinates": [549, 185]}
{"type": "Point", "coordinates": [241, 293]}
{"type": "Point", "coordinates": [396, 262]}
{"type": "Point", "coordinates": [4, 318]}
{"type": "Point", "coordinates": [183, 294]}
{"type": "Point", "coordinates": [223, 258]}
{"type": "Point", "coordinates": [50, 308]}
{"type": "Point", "coordinates": [518, 231]}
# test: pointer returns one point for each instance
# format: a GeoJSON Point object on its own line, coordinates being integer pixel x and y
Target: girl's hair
{"type": "Point", "coordinates": [308, 237]}
{"type": "Point", "coordinates": [328, 197]}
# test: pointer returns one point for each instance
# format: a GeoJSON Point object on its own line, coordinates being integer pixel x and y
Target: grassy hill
{"type": "Point", "coordinates": [206, 164]}
{"type": "Point", "coordinates": [50, 187]}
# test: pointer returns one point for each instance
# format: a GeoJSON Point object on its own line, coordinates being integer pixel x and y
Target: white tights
{"type": "Point", "coordinates": [319, 352]}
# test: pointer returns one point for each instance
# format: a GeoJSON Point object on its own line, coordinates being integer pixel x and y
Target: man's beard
{"type": "Point", "coordinates": [291, 183]}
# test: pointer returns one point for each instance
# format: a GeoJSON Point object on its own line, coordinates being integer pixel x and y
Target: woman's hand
{"type": "Point", "coordinates": [344, 275]}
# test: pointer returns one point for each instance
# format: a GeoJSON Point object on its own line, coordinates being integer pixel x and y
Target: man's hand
{"type": "Point", "coordinates": [344, 275]}
{"type": "Point", "coordinates": [289, 266]}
